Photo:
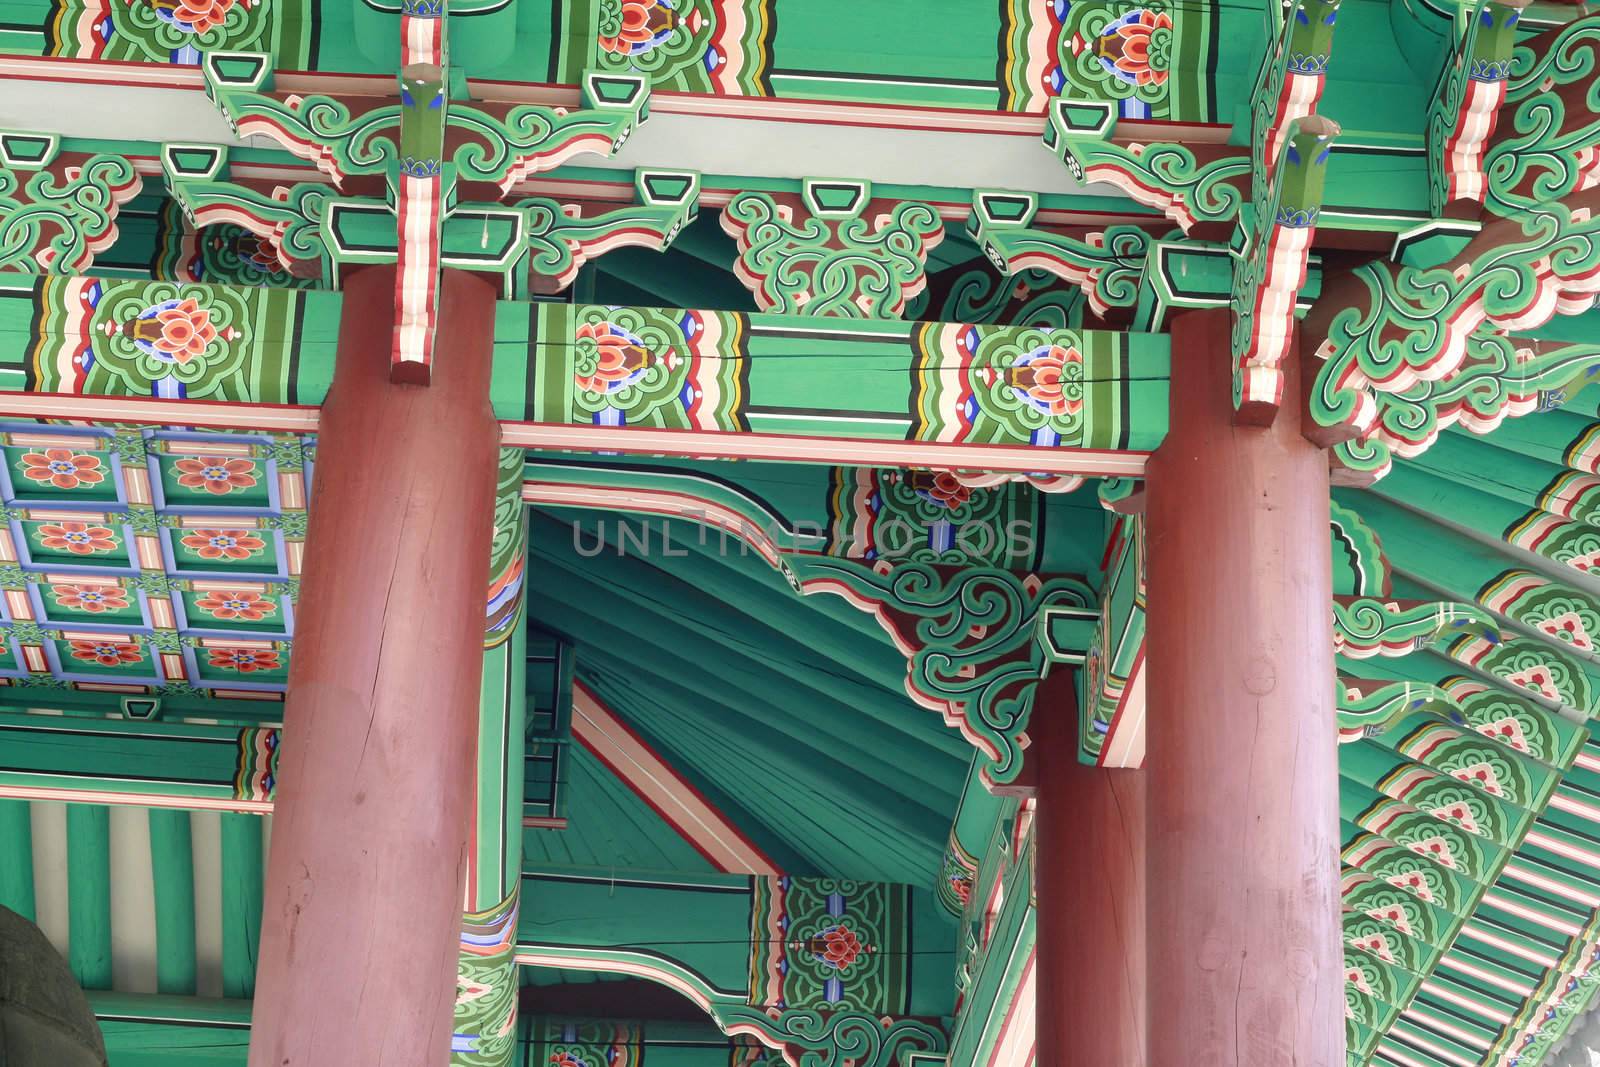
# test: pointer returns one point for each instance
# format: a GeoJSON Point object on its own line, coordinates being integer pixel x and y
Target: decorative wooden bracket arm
{"type": "Point", "coordinates": [970, 636]}
{"type": "Point", "coordinates": [1385, 328]}
{"type": "Point", "coordinates": [1500, 377]}
{"type": "Point", "coordinates": [1364, 627]}
{"type": "Point", "coordinates": [1367, 708]}
{"type": "Point", "coordinates": [1466, 102]}
{"type": "Point", "coordinates": [832, 251]}
{"type": "Point", "coordinates": [288, 220]}
{"type": "Point", "coordinates": [507, 143]}
{"type": "Point", "coordinates": [1106, 265]}
{"type": "Point", "coordinates": [1199, 188]}
{"type": "Point", "coordinates": [846, 1038]}
{"type": "Point", "coordinates": [341, 139]}
{"type": "Point", "coordinates": [1549, 146]}
{"type": "Point", "coordinates": [57, 209]}
{"type": "Point", "coordinates": [1111, 684]}
{"type": "Point", "coordinates": [1269, 272]}
{"type": "Point", "coordinates": [562, 238]}
{"type": "Point", "coordinates": [496, 143]}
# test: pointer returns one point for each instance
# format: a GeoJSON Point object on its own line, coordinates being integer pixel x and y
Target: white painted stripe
{"type": "Point", "coordinates": [1477, 1007]}
{"type": "Point", "coordinates": [663, 788]}
{"type": "Point", "coordinates": [1532, 915]}
{"type": "Point", "coordinates": [48, 821]}
{"type": "Point", "coordinates": [133, 902]}
{"type": "Point", "coordinates": [1575, 807]}
{"type": "Point", "coordinates": [1477, 933]}
{"type": "Point", "coordinates": [1516, 988]}
{"type": "Point", "coordinates": [205, 829]}
{"type": "Point", "coordinates": [1023, 459]}
{"type": "Point", "coordinates": [1427, 1019]}
{"type": "Point", "coordinates": [1019, 1032]}
{"type": "Point", "coordinates": [1550, 885]}
{"type": "Point", "coordinates": [1561, 848]}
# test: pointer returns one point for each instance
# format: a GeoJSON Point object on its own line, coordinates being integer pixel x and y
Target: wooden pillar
{"type": "Point", "coordinates": [1089, 876]}
{"type": "Point", "coordinates": [1243, 788]}
{"type": "Point", "coordinates": [363, 897]}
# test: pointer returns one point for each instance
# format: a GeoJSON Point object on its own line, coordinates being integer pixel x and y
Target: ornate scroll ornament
{"type": "Point", "coordinates": [1500, 377]}
{"type": "Point", "coordinates": [1550, 147]}
{"type": "Point", "coordinates": [589, 1043]}
{"type": "Point", "coordinates": [500, 144]}
{"type": "Point", "coordinates": [58, 209]}
{"type": "Point", "coordinates": [836, 1038]}
{"type": "Point", "coordinates": [1106, 265]}
{"type": "Point", "coordinates": [834, 251]}
{"type": "Point", "coordinates": [1200, 189]}
{"type": "Point", "coordinates": [1388, 327]}
{"type": "Point", "coordinates": [1270, 270]}
{"type": "Point", "coordinates": [287, 219]}
{"type": "Point", "coordinates": [485, 1027]}
{"type": "Point", "coordinates": [1467, 100]}
{"type": "Point", "coordinates": [1366, 626]}
{"type": "Point", "coordinates": [561, 238]}
{"type": "Point", "coordinates": [972, 292]}
{"type": "Point", "coordinates": [969, 637]}
{"type": "Point", "coordinates": [1359, 566]}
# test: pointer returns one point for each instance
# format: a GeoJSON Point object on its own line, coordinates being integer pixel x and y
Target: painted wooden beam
{"type": "Point", "coordinates": [89, 894]}
{"type": "Point", "coordinates": [840, 996]}
{"type": "Point", "coordinates": [192, 766]}
{"type": "Point", "coordinates": [636, 380]}
{"type": "Point", "coordinates": [172, 865]}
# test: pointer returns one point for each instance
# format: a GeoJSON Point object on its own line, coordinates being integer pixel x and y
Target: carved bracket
{"type": "Point", "coordinates": [970, 638]}
{"type": "Point", "coordinates": [57, 209]}
{"type": "Point", "coordinates": [1106, 265]}
{"type": "Point", "coordinates": [833, 251]}
{"type": "Point", "coordinates": [1200, 188]}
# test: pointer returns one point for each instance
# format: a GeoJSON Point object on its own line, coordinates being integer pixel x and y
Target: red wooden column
{"type": "Point", "coordinates": [363, 894]}
{"type": "Point", "coordinates": [1243, 790]}
{"type": "Point", "coordinates": [1089, 876]}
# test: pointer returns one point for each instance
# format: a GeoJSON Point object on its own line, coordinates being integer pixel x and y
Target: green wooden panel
{"type": "Point", "coordinates": [89, 894]}
{"type": "Point", "coordinates": [16, 857]}
{"type": "Point", "coordinates": [172, 865]}
{"type": "Point", "coordinates": [241, 902]}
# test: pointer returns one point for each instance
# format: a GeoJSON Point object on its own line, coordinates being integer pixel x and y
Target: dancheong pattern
{"type": "Point", "coordinates": [142, 561]}
{"type": "Point", "coordinates": [931, 517]}
{"type": "Point", "coordinates": [177, 31]}
{"type": "Point", "coordinates": [696, 46]}
{"type": "Point", "coordinates": [165, 339]}
{"type": "Point", "coordinates": [1018, 386]}
{"type": "Point", "coordinates": [485, 1029]}
{"type": "Point", "coordinates": [585, 1044]}
{"type": "Point", "coordinates": [1150, 58]}
{"type": "Point", "coordinates": [639, 367]}
{"type": "Point", "coordinates": [830, 944]}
